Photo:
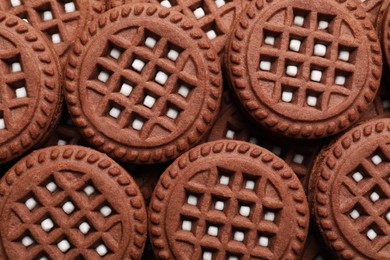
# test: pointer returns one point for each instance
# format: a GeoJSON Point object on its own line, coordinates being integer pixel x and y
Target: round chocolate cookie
{"type": "Point", "coordinates": [61, 21]}
{"type": "Point", "coordinates": [144, 84]}
{"type": "Point", "coordinates": [214, 17]}
{"type": "Point", "coordinates": [228, 200]}
{"type": "Point", "coordinates": [30, 92]}
{"type": "Point", "coordinates": [350, 192]}
{"type": "Point", "coordinates": [306, 69]}
{"type": "Point", "coordinates": [233, 124]}
{"type": "Point", "coordinates": [70, 202]}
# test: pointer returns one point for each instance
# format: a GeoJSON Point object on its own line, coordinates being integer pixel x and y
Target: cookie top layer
{"type": "Point", "coordinates": [304, 69]}
{"type": "Point", "coordinates": [350, 192]}
{"type": "Point", "coordinates": [60, 21]}
{"type": "Point", "coordinates": [215, 17]}
{"type": "Point", "coordinates": [70, 202]}
{"type": "Point", "coordinates": [228, 199]}
{"type": "Point", "coordinates": [143, 84]}
{"type": "Point", "coordinates": [30, 89]}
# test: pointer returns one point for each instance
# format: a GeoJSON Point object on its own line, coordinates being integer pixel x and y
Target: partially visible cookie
{"type": "Point", "coordinates": [143, 84]}
{"type": "Point", "coordinates": [228, 200]}
{"type": "Point", "coordinates": [60, 21]}
{"type": "Point", "coordinates": [70, 202]}
{"type": "Point", "coordinates": [30, 91]}
{"type": "Point", "coordinates": [349, 194]}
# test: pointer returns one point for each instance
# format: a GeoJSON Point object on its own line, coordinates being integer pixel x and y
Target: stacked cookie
{"type": "Point", "coordinates": [194, 129]}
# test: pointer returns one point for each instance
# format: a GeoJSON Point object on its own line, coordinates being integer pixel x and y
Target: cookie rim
{"type": "Point", "coordinates": [271, 120]}
{"type": "Point", "coordinates": [159, 197]}
{"type": "Point", "coordinates": [95, 159]}
{"type": "Point", "coordinates": [175, 147]}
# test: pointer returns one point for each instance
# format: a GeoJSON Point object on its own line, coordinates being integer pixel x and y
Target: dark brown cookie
{"type": "Point", "coordinates": [306, 69]}
{"type": "Point", "coordinates": [61, 21]}
{"type": "Point", "coordinates": [350, 192]}
{"type": "Point", "coordinates": [215, 17]}
{"type": "Point", "coordinates": [228, 200]}
{"type": "Point", "coordinates": [143, 84]}
{"type": "Point", "coordinates": [30, 101]}
{"type": "Point", "coordinates": [70, 202]}
{"type": "Point", "coordinates": [232, 123]}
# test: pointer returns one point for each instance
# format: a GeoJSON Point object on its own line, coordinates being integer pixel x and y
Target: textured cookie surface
{"type": "Point", "coordinates": [228, 200]}
{"type": "Point", "coordinates": [61, 21]}
{"type": "Point", "coordinates": [304, 69]}
{"type": "Point", "coordinates": [350, 195]}
{"type": "Point", "coordinates": [70, 203]}
{"type": "Point", "coordinates": [30, 87]}
{"type": "Point", "coordinates": [143, 84]}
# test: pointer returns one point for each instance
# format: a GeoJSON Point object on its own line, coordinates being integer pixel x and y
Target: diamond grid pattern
{"type": "Point", "coordinates": [141, 87]}
{"type": "Point", "coordinates": [12, 82]}
{"type": "Point", "coordinates": [279, 56]}
{"type": "Point", "coordinates": [246, 216]}
{"type": "Point", "coordinates": [369, 204]}
{"type": "Point", "coordinates": [49, 16]}
{"type": "Point", "coordinates": [60, 232]}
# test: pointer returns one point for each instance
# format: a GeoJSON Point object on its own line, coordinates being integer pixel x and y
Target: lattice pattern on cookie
{"type": "Point", "coordinates": [239, 197]}
{"type": "Point", "coordinates": [14, 92]}
{"type": "Point", "coordinates": [143, 81]}
{"type": "Point", "coordinates": [208, 13]}
{"type": "Point", "coordinates": [307, 60]}
{"type": "Point", "coordinates": [49, 16]}
{"type": "Point", "coordinates": [368, 187]}
{"type": "Point", "coordinates": [67, 212]}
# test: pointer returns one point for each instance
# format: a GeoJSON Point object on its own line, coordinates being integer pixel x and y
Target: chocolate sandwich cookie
{"type": "Point", "coordinates": [228, 200]}
{"type": "Point", "coordinates": [30, 93]}
{"type": "Point", "coordinates": [350, 192]}
{"type": "Point", "coordinates": [70, 202]}
{"type": "Point", "coordinates": [61, 21]}
{"type": "Point", "coordinates": [215, 17]}
{"type": "Point", "coordinates": [232, 123]}
{"type": "Point", "coordinates": [306, 69]}
{"type": "Point", "coordinates": [143, 84]}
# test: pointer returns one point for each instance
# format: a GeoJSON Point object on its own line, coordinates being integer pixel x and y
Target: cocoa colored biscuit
{"type": "Point", "coordinates": [375, 109]}
{"type": "Point", "coordinates": [61, 21]}
{"type": "Point", "coordinates": [350, 192]}
{"type": "Point", "coordinates": [70, 202]}
{"type": "Point", "coordinates": [228, 200]}
{"type": "Point", "coordinates": [232, 123]}
{"type": "Point", "coordinates": [143, 84]}
{"type": "Point", "coordinates": [215, 17]}
{"type": "Point", "coordinates": [30, 98]}
{"type": "Point", "coordinates": [306, 69]}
